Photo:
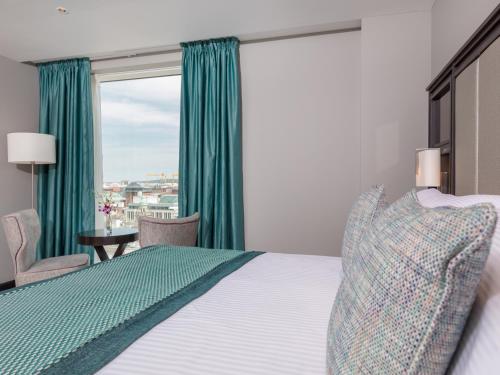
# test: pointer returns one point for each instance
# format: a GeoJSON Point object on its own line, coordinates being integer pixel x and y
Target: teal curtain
{"type": "Point", "coordinates": [65, 197]}
{"type": "Point", "coordinates": [210, 165]}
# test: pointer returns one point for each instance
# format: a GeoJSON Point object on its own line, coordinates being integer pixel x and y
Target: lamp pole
{"type": "Point", "coordinates": [33, 184]}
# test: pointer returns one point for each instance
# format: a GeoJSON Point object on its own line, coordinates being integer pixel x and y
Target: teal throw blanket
{"type": "Point", "coordinates": [76, 323]}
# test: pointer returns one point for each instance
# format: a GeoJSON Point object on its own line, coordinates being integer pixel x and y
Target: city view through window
{"type": "Point", "coordinates": [140, 148]}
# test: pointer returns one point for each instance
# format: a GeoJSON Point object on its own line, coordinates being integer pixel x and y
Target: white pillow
{"type": "Point", "coordinates": [479, 349]}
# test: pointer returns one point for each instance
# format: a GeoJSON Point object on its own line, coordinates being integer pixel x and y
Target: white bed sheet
{"type": "Point", "coordinates": [268, 317]}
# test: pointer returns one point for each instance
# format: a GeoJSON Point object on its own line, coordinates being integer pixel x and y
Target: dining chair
{"type": "Point", "coordinates": [178, 232]}
{"type": "Point", "coordinates": [22, 230]}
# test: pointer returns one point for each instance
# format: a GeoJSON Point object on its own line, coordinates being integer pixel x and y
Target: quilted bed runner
{"type": "Point", "coordinates": [75, 324]}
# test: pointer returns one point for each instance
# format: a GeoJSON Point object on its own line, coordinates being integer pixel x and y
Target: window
{"type": "Point", "coordinates": [139, 130]}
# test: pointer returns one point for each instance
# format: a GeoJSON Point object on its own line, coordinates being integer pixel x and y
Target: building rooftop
{"type": "Point", "coordinates": [169, 199]}
{"type": "Point", "coordinates": [159, 206]}
{"type": "Point", "coordinates": [134, 187]}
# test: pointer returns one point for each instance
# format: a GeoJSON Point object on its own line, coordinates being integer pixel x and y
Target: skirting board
{"type": "Point", "coordinates": [7, 285]}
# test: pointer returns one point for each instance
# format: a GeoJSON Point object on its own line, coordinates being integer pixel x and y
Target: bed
{"type": "Point", "coordinates": [237, 312]}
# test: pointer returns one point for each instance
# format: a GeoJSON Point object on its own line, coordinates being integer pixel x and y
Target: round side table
{"type": "Point", "coordinates": [100, 238]}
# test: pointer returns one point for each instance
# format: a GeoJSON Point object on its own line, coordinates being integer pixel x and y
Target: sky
{"type": "Point", "coordinates": [140, 128]}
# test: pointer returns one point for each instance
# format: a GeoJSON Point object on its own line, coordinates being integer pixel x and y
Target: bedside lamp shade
{"type": "Point", "coordinates": [31, 148]}
{"type": "Point", "coordinates": [428, 167]}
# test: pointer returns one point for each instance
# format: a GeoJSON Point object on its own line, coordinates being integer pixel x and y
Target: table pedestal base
{"type": "Point", "coordinates": [103, 255]}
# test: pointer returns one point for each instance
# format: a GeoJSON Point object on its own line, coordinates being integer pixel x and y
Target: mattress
{"type": "Point", "coordinates": [268, 317]}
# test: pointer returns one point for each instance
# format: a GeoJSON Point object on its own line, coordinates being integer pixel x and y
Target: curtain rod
{"type": "Point", "coordinates": [176, 48]}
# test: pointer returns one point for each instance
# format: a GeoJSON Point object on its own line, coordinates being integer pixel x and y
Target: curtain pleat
{"type": "Point", "coordinates": [210, 161]}
{"type": "Point", "coordinates": [65, 198]}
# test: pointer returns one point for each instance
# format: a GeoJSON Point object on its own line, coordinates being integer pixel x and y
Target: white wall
{"type": "Point", "coordinates": [301, 116]}
{"type": "Point", "coordinates": [453, 22]}
{"type": "Point", "coordinates": [395, 70]}
{"type": "Point", "coordinates": [325, 117]}
{"type": "Point", "coordinates": [18, 112]}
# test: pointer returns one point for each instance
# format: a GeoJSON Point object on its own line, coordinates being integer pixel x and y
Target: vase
{"type": "Point", "coordinates": [109, 227]}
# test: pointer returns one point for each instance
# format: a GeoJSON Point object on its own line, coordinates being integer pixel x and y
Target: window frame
{"type": "Point", "coordinates": [97, 79]}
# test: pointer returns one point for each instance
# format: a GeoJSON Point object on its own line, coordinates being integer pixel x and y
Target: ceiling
{"type": "Point", "coordinates": [32, 30]}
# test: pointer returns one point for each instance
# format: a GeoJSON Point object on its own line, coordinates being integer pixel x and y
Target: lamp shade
{"type": "Point", "coordinates": [31, 148]}
{"type": "Point", "coordinates": [428, 167]}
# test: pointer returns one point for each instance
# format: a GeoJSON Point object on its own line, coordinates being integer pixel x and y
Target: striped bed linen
{"type": "Point", "coordinates": [268, 317]}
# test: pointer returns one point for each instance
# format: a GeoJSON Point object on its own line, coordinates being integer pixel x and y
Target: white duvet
{"type": "Point", "coordinates": [269, 317]}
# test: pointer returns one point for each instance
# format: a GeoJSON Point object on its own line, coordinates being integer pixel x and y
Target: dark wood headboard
{"type": "Point", "coordinates": [443, 102]}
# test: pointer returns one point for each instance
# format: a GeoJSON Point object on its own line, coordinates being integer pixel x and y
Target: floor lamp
{"type": "Point", "coordinates": [31, 148]}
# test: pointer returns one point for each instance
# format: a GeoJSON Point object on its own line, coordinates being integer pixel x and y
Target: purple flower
{"type": "Point", "coordinates": [106, 204]}
{"type": "Point", "coordinates": [105, 209]}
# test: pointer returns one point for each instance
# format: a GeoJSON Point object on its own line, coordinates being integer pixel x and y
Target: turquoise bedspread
{"type": "Point", "coordinates": [77, 323]}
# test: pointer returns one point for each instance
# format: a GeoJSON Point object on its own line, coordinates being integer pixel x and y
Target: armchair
{"type": "Point", "coordinates": [180, 232]}
{"type": "Point", "coordinates": [22, 230]}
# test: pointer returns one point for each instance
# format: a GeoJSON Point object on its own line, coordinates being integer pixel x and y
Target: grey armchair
{"type": "Point", "coordinates": [23, 232]}
{"type": "Point", "coordinates": [179, 232]}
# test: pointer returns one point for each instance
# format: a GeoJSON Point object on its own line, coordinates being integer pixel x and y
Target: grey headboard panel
{"type": "Point", "coordinates": [477, 125]}
{"type": "Point", "coordinates": [464, 114]}
{"type": "Point", "coordinates": [466, 157]}
{"type": "Point", "coordinates": [489, 120]}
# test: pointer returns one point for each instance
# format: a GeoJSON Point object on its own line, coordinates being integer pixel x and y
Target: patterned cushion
{"type": "Point", "coordinates": [368, 206]}
{"type": "Point", "coordinates": [403, 305]}
{"type": "Point", "coordinates": [478, 347]}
